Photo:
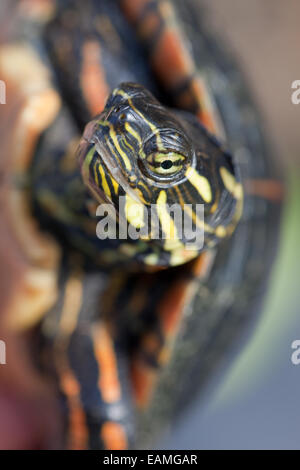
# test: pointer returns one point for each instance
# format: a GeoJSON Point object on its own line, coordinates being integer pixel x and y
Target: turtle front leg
{"type": "Point", "coordinates": [157, 344]}
{"type": "Point", "coordinates": [90, 363]}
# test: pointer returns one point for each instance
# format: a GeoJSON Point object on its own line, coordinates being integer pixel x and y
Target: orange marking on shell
{"type": "Point", "coordinates": [173, 64]}
{"type": "Point", "coordinates": [108, 379]}
{"type": "Point", "coordinates": [207, 120]}
{"type": "Point", "coordinates": [273, 190]}
{"type": "Point", "coordinates": [170, 60]}
{"type": "Point", "coordinates": [201, 265]}
{"type": "Point", "coordinates": [78, 433]}
{"type": "Point", "coordinates": [114, 436]}
{"type": "Point", "coordinates": [171, 308]}
{"type": "Point", "coordinates": [70, 385]}
{"type": "Point", "coordinates": [206, 114]}
{"type": "Point", "coordinates": [93, 82]}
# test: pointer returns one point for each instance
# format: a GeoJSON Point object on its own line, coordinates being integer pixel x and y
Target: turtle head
{"type": "Point", "coordinates": [143, 158]}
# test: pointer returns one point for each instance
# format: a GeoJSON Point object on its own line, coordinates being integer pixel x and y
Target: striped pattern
{"type": "Point", "coordinates": [84, 427]}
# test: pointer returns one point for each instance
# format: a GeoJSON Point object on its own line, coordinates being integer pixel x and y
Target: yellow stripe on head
{"type": "Point", "coordinates": [134, 212]}
{"type": "Point", "coordinates": [124, 157]}
{"type": "Point", "coordinates": [167, 223]}
{"type": "Point", "coordinates": [150, 124]}
{"type": "Point", "coordinates": [200, 223]}
{"type": "Point", "coordinates": [200, 183]}
{"type": "Point", "coordinates": [137, 137]}
{"type": "Point", "coordinates": [131, 131]}
{"type": "Point", "coordinates": [105, 186]}
{"type": "Point", "coordinates": [231, 184]}
{"type": "Point", "coordinates": [115, 185]}
{"type": "Point", "coordinates": [86, 166]}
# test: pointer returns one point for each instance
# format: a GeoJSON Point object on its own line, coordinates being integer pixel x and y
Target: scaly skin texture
{"type": "Point", "coordinates": [112, 327]}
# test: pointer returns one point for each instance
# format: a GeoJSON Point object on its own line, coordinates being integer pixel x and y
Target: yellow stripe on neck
{"type": "Point", "coordinates": [134, 212]}
{"type": "Point", "coordinates": [200, 183]}
{"type": "Point", "coordinates": [231, 184]}
{"type": "Point", "coordinates": [167, 223]}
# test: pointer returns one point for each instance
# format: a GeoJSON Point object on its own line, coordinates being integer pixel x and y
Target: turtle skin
{"type": "Point", "coordinates": [229, 287]}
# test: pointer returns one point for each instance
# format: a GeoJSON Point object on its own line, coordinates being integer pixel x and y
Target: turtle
{"type": "Point", "coordinates": [130, 110]}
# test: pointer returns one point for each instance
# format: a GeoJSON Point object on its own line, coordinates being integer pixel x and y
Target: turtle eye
{"type": "Point", "coordinates": [165, 164]}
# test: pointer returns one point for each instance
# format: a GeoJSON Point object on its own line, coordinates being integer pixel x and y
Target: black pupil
{"type": "Point", "coordinates": [167, 164]}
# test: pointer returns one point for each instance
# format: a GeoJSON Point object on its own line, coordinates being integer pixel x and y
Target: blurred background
{"type": "Point", "coordinates": [254, 403]}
